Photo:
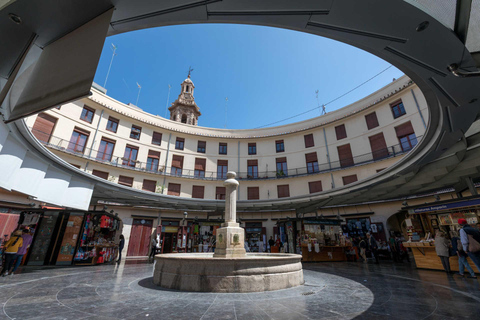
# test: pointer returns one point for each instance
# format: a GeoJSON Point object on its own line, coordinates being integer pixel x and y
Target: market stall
{"type": "Point", "coordinates": [323, 240]}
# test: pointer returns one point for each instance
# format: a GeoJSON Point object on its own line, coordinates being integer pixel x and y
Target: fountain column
{"type": "Point", "coordinates": [230, 237]}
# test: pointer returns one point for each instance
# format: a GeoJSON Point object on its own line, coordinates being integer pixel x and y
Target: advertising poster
{"type": "Point", "coordinates": [43, 239]}
{"type": "Point", "coordinates": [70, 237]}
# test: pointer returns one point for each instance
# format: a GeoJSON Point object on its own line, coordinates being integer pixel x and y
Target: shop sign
{"type": "Point", "coordinates": [446, 206]}
{"type": "Point", "coordinates": [253, 229]}
{"type": "Point", "coordinates": [170, 229]}
{"type": "Point", "coordinates": [211, 224]}
{"type": "Point", "coordinates": [329, 222]}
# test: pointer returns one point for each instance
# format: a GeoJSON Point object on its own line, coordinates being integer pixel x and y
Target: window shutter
{"type": "Point", "coordinates": [345, 155]}
{"type": "Point", "coordinates": [253, 193]}
{"type": "Point", "coordinates": [82, 131]}
{"type": "Point", "coordinates": [404, 129]}
{"type": "Point", "coordinates": [349, 179]}
{"type": "Point", "coordinates": [173, 189]}
{"type": "Point", "coordinates": [283, 191]}
{"type": "Point", "coordinates": [311, 157]}
{"type": "Point", "coordinates": [157, 138]}
{"type": "Point", "coordinates": [341, 132]}
{"type": "Point", "coordinates": [153, 154]}
{"type": "Point", "coordinates": [252, 163]}
{"type": "Point", "coordinates": [202, 144]}
{"type": "Point", "coordinates": [220, 193]}
{"type": "Point", "coordinates": [177, 161]}
{"type": "Point", "coordinates": [309, 140]}
{"type": "Point", "coordinates": [43, 127]}
{"type": "Point", "coordinates": [372, 121]}
{"type": "Point", "coordinates": [200, 164]}
{"type": "Point", "coordinates": [222, 163]}
{"type": "Point", "coordinates": [198, 192]}
{"type": "Point", "coordinates": [315, 186]}
{"type": "Point", "coordinates": [284, 159]}
{"type": "Point", "coordinates": [125, 181]}
{"type": "Point", "coordinates": [149, 185]}
{"type": "Point", "coordinates": [100, 174]}
{"type": "Point", "coordinates": [379, 146]}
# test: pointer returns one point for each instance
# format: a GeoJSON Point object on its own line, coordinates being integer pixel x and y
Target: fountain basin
{"type": "Point", "coordinates": [201, 272]}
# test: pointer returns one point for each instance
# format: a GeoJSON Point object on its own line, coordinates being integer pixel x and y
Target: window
{"type": "Point", "coordinates": [252, 169]}
{"type": "Point", "coordinates": [220, 193]}
{"type": "Point", "coordinates": [398, 109]}
{"type": "Point", "coordinates": [372, 121]}
{"type": "Point", "coordinates": [253, 193]}
{"type": "Point", "coordinates": [200, 167]}
{"type": "Point", "coordinates": [174, 189]}
{"type": "Point", "coordinates": [100, 174]}
{"type": "Point", "coordinates": [379, 146]}
{"type": "Point", "coordinates": [222, 168]}
{"type": "Point", "coordinates": [179, 144]}
{"type": "Point", "coordinates": [135, 133]}
{"type": "Point", "coordinates": [149, 185]}
{"type": "Point", "coordinates": [201, 146]}
{"type": "Point", "coordinates": [112, 124]}
{"type": "Point", "coordinates": [157, 138]}
{"type": "Point", "coordinates": [76, 165]}
{"type": "Point", "coordinates": [309, 140]}
{"type": "Point", "coordinates": [283, 191]}
{"type": "Point", "coordinates": [345, 155]}
{"type": "Point", "coordinates": [105, 150]}
{"type": "Point", "coordinates": [349, 179]}
{"type": "Point", "coordinates": [87, 114]}
{"type": "Point", "coordinates": [312, 162]}
{"type": "Point", "coordinates": [378, 170]}
{"type": "Point", "coordinates": [315, 186]}
{"type": "Point", "coordinates": [153, 160]}
{"type": "Point", "coordinates": [78, 140]}
{"type": "Point", "coordinates": [252, 148]}
{"type": "Point", "coordinates": [279, 146]}
{"type": "Point", "coordinates": [130, 156]}
{"type": "Point", "coordinates": [406, 136]}
{"type": "Point", "coordinates": [198, 192]}
{"type": "Point", "coordinates": [341, 132]}
{"type": "Point", "coordinates": [43, 127]}
{"type": "Point", "coordinates": [177, 165]}
{"type": "Point", "coordinates": [281, 167]}
{"type": "Point", "coordinates": [125, 181]}
{"type": "Point", "coordinates": [222, 148]}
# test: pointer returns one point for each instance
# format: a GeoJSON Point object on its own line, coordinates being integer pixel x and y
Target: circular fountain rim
{"type": "Point", "coordinates": [209, 255]}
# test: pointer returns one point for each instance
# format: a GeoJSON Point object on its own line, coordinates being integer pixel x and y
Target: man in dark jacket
{"type": "Point", "coordinates": [373, 246]}
{"type": "Point", "coordinates": [465, 232]}
{"type": "Point", "coordinates": [120, 247]}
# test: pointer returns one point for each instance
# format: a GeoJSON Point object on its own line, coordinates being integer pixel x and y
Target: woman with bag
{"type": "Point", "coordinates": [11, 249]}
{"type": "Point", "coordinates": [442, 248]}
{"type": "Point", "coordinates": [470, 238]}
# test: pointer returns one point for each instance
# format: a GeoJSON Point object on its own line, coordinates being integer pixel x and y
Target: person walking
{"type": "Point", "coordinates": [27, 241]}
{"type": "Point", "coordinates": [394, 249]}
{"type": "Point", "coordinates": [11, 249]}
{"type": "Point", "coordinates": [467, 232]}
{"type": "Point", "coordinates": [441, 247]}
{"type": "Point", "coordinates": [271, 243]}
{"type": "Point", "coordinates": [363, 248]}
{"type": "Point", "coordinates": [373, 246]}
{"type": "Point", "coordinates": [121, 244]}
{"type": "Point", "coordinates": [153, 244]}
{"type": "Point", "coordinates": [462, 256]}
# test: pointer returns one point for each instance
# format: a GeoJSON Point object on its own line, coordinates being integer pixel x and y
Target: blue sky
{"type": "Point", "coordinates": [268, 74]}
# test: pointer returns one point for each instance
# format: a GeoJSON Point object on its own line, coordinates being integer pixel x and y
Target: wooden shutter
{"type": "Point", "coordinates": [404, 129]}
{"type": "Point", "coordinates": [100, 174]}
{"type": "Point", "coordinates": [149, 185]}
{"type": "Point", "coordinates": [82, 131]}
{"type": "Point", "coordinates": [311, 157]}
{"type": "Point", "coordinates": [345, 155]}
{"type": "Point", "coordinates": [252, 163]}
{"type": "Point", "coordinates": [198, 192]}
{"type": "Point", "coordinates": [349, 179]}
{"type": "Point", "coordinates": [200, 164]}
{"type": "Point", "coordinates": [220, 193]}
{"type": "Point", "coordinates": [309, 140]}
{"type": "Point", "coordinates": [125, 181]}
{"type": "Point", "coordinates": [222, 163]}
{"type": "Point", "coordinates": [154, 154]}
{"type": "Point", "coordinates": [283, 191]}
{"type": "Point", "coordinates": [315, 186]}
{"type": "Point", "coordinates": [284, 159]}
{"type": "Point", "coordinates": [341, 132]}
{"type": "Point", "coordinates": [202, 144]}
{"type": "Point", "coordinates": [157, 138]}
{"type": "Point", "coordinates": [174, 189]}
{"type": "Point", "coordinates": [372, 121]}
{"type": "Point", "coordinates": [43, 127]}
{"type": "Point", "coordinates": [379, 146]}
{"type": "Point", "coordinates": [177, 161]}
{"type": "Point", "coordinates": [253, 193]}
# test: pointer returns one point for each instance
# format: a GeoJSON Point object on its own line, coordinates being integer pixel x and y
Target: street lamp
{"type": "Point", "coordinates": [185, 215]}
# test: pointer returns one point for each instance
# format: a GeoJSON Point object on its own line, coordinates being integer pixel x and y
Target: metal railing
{"type": "Point", "coordinates": [99, 156]}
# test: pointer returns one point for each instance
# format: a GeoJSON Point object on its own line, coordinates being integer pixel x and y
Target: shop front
{"type": "Point", "coordinates": [178, 236]}
{"type": "Point", "coordinates": [255, 236]}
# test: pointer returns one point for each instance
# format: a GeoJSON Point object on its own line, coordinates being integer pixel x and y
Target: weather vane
{"type": "Point", "coordinates": [189, 71]}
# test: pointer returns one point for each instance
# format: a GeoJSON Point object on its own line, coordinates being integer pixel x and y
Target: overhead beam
{"type": "Point", "coordinates": [462, 19]}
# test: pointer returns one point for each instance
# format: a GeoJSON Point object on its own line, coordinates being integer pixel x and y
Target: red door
{"type": "Point", "coordinates": [139, 243]}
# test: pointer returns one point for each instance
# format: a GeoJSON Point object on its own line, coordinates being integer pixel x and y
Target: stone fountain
{"type": "Point", "coordinates": [230, 268]}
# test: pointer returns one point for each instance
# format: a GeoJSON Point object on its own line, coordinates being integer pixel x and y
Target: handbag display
{"type": "Point", "coordinates": [473, 245]}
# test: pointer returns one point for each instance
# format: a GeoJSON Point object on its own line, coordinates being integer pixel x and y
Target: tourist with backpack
{"type": "Point", "coordinates": [11, 249]}
{"type": "Point", "coordinates": [462, 256]}
{"type": "Point", "coordinates": [470, 238]}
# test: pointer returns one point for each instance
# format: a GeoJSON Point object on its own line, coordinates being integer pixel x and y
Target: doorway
{"type": "Point", "coordinates": [139, 243]}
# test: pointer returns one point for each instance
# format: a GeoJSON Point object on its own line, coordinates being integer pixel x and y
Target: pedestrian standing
{"type": "Point", "coordinates": [363, 249]}
{"type": "Point", "coordinates": [470, 238]}
{"type": "Point", "coordinates": [121, 244]}
{"type": "Point", "coordinates": [442, 248]}
{"type": "Point", "coordinates": [11, 249]}
{"type": "Point", "coordinates": [153, 244]}
{"type": "Point", "coordinates": [271, 243]}
{"type": "Point", "coordinates": [462, 256]}
{"type": "Point", "coordinates": [373, 246]}
{"type": "Point", "coordinates": [27, 241]}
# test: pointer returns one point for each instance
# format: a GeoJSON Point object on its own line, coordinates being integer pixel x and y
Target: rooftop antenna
{"type": "Point", "coordinates": [322, 110]}
{"type": "Point", "coordinates": [168, 98]}
{"type": "Point", "coordinates": [138, 96]}
{"type": "Point", "coordinates": [108, 72]}
{"type": "Point", "coordinates": [226, 105]}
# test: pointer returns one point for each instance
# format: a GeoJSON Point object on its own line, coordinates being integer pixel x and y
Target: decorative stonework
{"type": "Point", "coordinates": [184, 109]}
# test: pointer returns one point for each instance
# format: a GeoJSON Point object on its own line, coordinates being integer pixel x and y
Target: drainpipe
{"type": "Point", "coordinates": [166, 159]}
{"type": "Point", "coordinates": [95, 135]}
{"type": "Point", "coordinates": [328, 157]}
{"type": "Point", "coordinates": [418, 108]}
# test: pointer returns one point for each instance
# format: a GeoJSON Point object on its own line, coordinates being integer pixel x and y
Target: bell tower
{"type": "Point", "coordinates": [184, 109]}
